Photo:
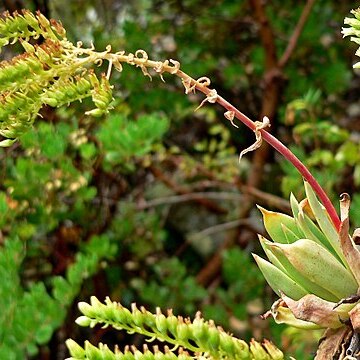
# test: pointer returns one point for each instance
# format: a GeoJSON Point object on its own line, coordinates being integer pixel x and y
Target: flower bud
{"type": "Point", "coordinates": [183, 331]}
{"type": "Point", "coordinates": [95, 112]}
{"type": "Point", "coordinates": [110, 309]}
{"type": "Point", "coordinates": [83, 321]}
{"type": "Point", "coordinates": [172, 322]}
{"type": "Point", "coordinates": [75, 350]}
{"type": "Point", "coordinates": [258, 351]}
{"type": "Point", "coordinates": [241, 349]}
{"type": "Point", "coordinates": [227, 344]}
{"type": "Point", "coordinates": [3, 42]}
{"type": "Point", "coordinates": [213, 337]}
{"type": "Point", "coordinates": [50, 101]}
{"type": "Point", "coordinates": [161, 323]}
{"type": "Point", "coordinates": [123, 315]}
{"type": "Point", "coordinates": [200, 330]}
{"type": "Point", "coordinates": [356, 13]}
{"type": "Point", "coordinates": [27, 46]}
{"type": "Point", "coordinates": [31, 19]}
{"type": "Point", "coordinates": [91, 351]}
{"type": "Point", "coordinates": [95, 303]}
{"type": "Point", "coordinates": [137, 315]}
{"type": "Point", "coordinates": [274, 352]}
{"type": "Point", "coordinates": [87, 309]}
{"type": "Point", "coordinates": [106, 353]}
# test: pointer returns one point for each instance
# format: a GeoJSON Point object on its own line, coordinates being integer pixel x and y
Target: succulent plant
{"type": "Point", "coordinates": [313, 267]}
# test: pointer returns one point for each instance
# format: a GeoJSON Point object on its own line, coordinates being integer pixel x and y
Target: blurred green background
{"type": "Point", "coordinates": [150, 204]}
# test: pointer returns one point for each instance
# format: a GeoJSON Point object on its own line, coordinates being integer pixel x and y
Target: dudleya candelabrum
{"type": "Point", "coordinates": [313, 267]}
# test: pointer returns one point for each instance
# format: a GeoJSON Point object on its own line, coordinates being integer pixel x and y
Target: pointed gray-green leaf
{"type": "Point", "coordinates": [279, 281]}
{"type": "Point", "coordinates": [319, 266]}
{"type": "Point", "coordinates": [290, 235]}
{"type": "Point", "coordinates": [266, 245]}
{"type": "Point", "coordinates": [303, 281]}
{"type": "Point", "coordinates": [295, 208]}
{"type": "Point", "coordinates": [273, 222]}
{"type": "Point", "coordinates": [312, 232]}
{"type": "Point", "coordinates": [325, 224]}
{"type": "Point", "coordinates": [278, 259]}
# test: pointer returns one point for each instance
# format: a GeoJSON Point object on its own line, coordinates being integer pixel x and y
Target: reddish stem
{"type": "Point", "coordinates": [283, 150]}
{"type": "Point", "coordinates": [272, 141]}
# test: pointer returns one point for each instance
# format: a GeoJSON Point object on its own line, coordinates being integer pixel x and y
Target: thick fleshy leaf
{"type": "Point", "coordinates": [312, 232]}
{"type": "Point", "coordinates": [278, 280]}
{"type": "Point", "coordinates": [289, 235]}
{"type": "Point", "coordinates": [310, 286]}
{"type": "Point", "coordinates": [318, 265]}
{"type": "Point", "coordinates": [294, 205]}
{"type": "Point", "coordinates": [274, 221]}
{"type": "Point", "coordinates": [307, 226]}
{"type": "Point", "coordinates": [324, 222]}
{"type": "Point", "coordinates": [265, 244]}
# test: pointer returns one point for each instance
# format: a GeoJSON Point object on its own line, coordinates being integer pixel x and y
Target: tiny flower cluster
{"type": "Point", "coordinates": [311, 266]}
{"type": "Point", "coordinates": [28, 25]}
{"type": "Point", "coordinates": [201, 337]}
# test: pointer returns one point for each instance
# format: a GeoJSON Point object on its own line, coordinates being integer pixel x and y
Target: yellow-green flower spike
{"type": "Point", "coordinates": [198, 336]}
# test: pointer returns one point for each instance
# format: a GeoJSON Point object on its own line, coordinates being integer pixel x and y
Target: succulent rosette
{"type": "Point", "coordinates": [312, 266]}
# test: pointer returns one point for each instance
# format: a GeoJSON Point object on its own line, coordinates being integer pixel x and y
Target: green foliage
{"type": "Point", "coordinates": [171, 287]}
{"type": "Point", "coordinates": [250, 283]}
{"type": "Point", "coordinates": [243, 286]}
{"type": "Point", "coordinates": [39, 185]}
{"type": "Point", "coordinates": [35, 312]}
{"type": "Point", "coordinates": [123, 139]}
{"type": "Point", "coordinates": [333, 148]}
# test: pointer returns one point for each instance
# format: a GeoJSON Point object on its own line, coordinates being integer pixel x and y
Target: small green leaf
{"type": "Point", "coordinates": [43, 334]}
